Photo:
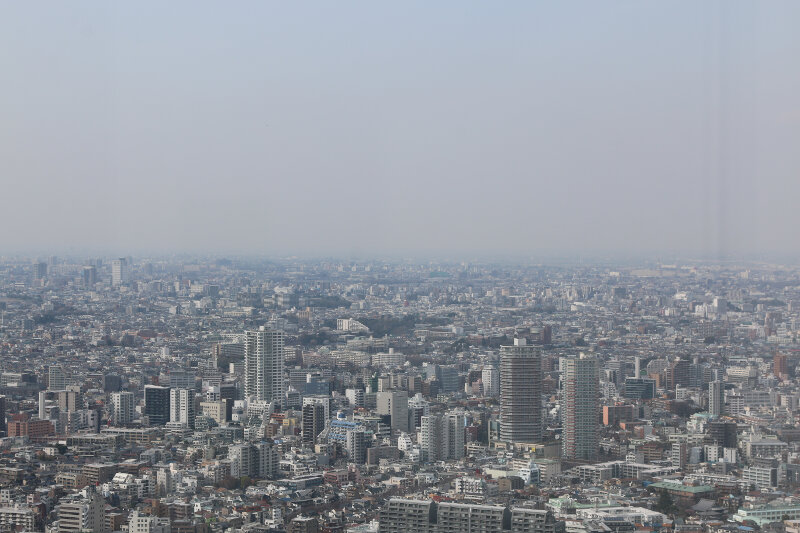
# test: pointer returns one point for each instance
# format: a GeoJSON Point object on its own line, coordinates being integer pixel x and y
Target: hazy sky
{"type": "Point", "coordinates": [406, 127]}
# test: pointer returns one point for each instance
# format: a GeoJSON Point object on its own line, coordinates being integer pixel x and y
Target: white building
{"type": "Point", "coordinates": [520, 393]}
{"type": "Point", "coordinates": [141, 523]}
{"type": "Point", "coordinates": [356, 444]}
{"type": "Point", "coordinates": [181, 407]}
{"type": "Point", "coordinates": [441, 437]}
{"type": "Point", "coordinates": [530, 474]}
{"type": "Point", "coordinates": [17, 518]}
{"type": "Point", "coordinates": [404, 443]}
{"type": "Point", "coordinates": [123, 408]}
{"type": "Point", "coordinates": [395, 404]}
{"type": "Point", "coordinates": [355, 397]}
{"type": "Point", "coordinates": [490, 376]}
{"type": "Point", "coordinates": [775, 512]}
{"type": "Point", "coordinates": [579, 411]}
{"type": "Point", "coordinates": [762, 478]}
{"type": "Point", "coordinates": [119, 271]}
{"type": "Point", "coordinates": [474, 488]}
{"type": "Point", "coordinates": [350, 324]}
{"type": "Point", "coordinates": [634, 515]}
{"type": "Point", "coordinates": [388, 359]}
{"type": "Point", "coordinates": [255, 460]}
{"type": "Point", "coordinates": [82, 513]}
{"type": "Point", "coordinates": [263, 360]}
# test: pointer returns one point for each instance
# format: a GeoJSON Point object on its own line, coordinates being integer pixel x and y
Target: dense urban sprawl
{"type": "Point", "coordinates": [192, 395]}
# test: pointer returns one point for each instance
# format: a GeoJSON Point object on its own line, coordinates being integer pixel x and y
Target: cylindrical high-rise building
{"type": "Point", "coordinates": [520, 393]}
{"type": "Point", "coordinates": [580, 408]}
{"type": "Point", "coordinates": [263, 364]}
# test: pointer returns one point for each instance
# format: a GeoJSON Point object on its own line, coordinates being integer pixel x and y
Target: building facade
{"type": "Point", "coordinates": [520, 393]}
{"type": "Point", "coordinates": [580, 410]}
{"type": "Point", "coordinates": [264, 359]}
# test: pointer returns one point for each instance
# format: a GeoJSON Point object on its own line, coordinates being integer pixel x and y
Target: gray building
{"type": "Point", "coordinates": [716, 398]}
{"type": "Point", "coordinates": [580, 408]}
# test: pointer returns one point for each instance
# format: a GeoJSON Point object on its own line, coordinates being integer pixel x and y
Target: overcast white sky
{"type": "Point", "coordinates": [400, 127]}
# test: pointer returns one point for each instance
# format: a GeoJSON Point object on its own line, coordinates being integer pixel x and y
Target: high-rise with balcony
{"type": "Point", "coordinates": [263, 362]}
{"type": "Point", "coordinates": [442, 436]}
{"type": "Point", "coordinates": [82, 514]}
{"type": "Point", "coordinates": [425, 516]}
{"type": "Point", "coordinates": [520, 393]}
{"type": "Point", "coordinates": [579, 408]}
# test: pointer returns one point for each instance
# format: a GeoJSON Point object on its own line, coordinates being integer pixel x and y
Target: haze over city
{"type": "Point", "coordinates": [399, 267]}
{"type": "Point", "coordinates": [456, 128]}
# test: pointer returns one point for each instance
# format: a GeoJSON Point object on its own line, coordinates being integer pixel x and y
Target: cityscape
{"type": "Point", "coordinates": [400, 266]}
{"type": "Point", "coordinates": [216, 395]}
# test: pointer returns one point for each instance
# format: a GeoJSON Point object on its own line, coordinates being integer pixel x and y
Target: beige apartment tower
{"type": "Point", "coordinates": [263, 364]}
{"type": "Point", "coordinates": [520, 393]}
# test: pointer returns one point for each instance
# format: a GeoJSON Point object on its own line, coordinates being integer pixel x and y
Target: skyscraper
{"type": "Point", "coordinates": [181, 407]}
{"type": "Point", "coordinates": [640, 388]}
{"type": "Point", "coordinates": [40, 270]}
{"type": "Point", "coordinates": [723, 433]}
{"type": "Point", "coordinates": [156, 404]}
{"type": "Point", "coordinates": [716, 398]}
{"type": "Point", "coordinates": [520, 393]}
{"type": "Point", "coordinates": [313, 422]}
{"type": "Point", "coordinates": [780, 366]}
{"type": "Point", "coordinates": [490, 377]}
{"type": "Point", "coordinates": [325, 401]}
{"type": "Point", "coordinates": [579, 411]}
{"type": "Point", "coordinates": [122, 403]}
{"type": "Point", "coordinates": [442, 437]}
{"type": "Point", "coordinates": [395, 404]}
{"type": "Point", "coordinates": [56, 380]}
{"type": "Point", "coordinates": [678, 454]}
{"type": "Point", "coordinates": [677, 373]}
{"type": "Point", "coordinates": [254, 459]}
{"type": "Point", "coordinates": [89, 276]}
{"type": "Point", "coordinates": [356, 444]}
{"type": "Point", "coordinates": [263, 361]}
{"type": "Point", "coordinates": [454, 425]}
{"type": "Point", "coordinates": [3, 425]}
{"type": "Point", "coordinates": [119, 271]}
{"type": "Point", "coordinates": [430, 438]}
{"type": "Point", "coordinates": [449, 378]}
